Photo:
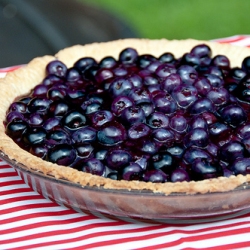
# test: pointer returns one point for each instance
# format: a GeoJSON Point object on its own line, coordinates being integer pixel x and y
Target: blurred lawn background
{"type": "Point", "coordinates": [180, 19]}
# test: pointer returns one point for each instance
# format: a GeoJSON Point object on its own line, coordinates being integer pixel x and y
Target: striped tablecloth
{"type": "Point", "coordinates": [29, 221]}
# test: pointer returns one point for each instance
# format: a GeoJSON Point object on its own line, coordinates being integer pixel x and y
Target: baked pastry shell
{"type": "Point", "coordinates": [21, 81]}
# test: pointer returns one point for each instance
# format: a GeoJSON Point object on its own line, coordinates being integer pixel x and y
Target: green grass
{"type": "Point", "coordinates": [180, 19]}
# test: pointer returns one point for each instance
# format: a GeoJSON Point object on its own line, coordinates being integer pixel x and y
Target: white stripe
{"type": "Point", "coordinates": [33, 211]}
{"type": "Point", "coordinates": [13, 187]}
{"type": "Point", "coordinates": [2, 163]}
{"type": "Point", "coordinates": [128, 245]}
{"type": "Point", "coordinates": [9, 179]}
{"type": "Point", "coordinates": [7, 170]}
{"type": "Point", "coordinates": [23, 203]}
{"type": "Point", "coordinates": [67, 235]}
{"type": "Point", "coordinates": [16, 195]}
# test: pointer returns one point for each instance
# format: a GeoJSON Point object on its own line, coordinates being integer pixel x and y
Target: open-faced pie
{"type": "Point", "coordinates": [159, 115]}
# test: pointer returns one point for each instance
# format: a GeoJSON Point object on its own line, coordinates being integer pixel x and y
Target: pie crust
{"type": "Point", "coordinates": [21, 81]}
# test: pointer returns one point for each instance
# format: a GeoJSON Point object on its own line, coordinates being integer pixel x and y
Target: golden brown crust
{"type": "Point", "coordinates": [20, 82]}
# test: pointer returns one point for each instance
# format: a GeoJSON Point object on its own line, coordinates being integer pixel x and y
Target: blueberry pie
{"type": "Point", "coordinates": [159, 115]}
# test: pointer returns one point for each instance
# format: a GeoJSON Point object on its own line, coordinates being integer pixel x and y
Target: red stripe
{"type": "Point", "coordinates": [88, 236]}
{"type": "Point", "coordinates": [232, 232]}
{"type": "Point", "coordinates": [226, 246]}
{"type": "Point", "coordinates": [231, 39]}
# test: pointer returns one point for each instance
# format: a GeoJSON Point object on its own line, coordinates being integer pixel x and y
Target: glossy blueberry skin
{"type": "Point", "coordinates": [128, 56]}
{"type": "Point", "coordinates": [231, 151]}
{"type": "Point", "coordinates": [201, 50]}
{"type": "Point", "coordinates": [14, 129]}
{"type": "Point", "coordinates": [120, 103]}
{"type": "Point", "coordinates": [133, 115]}
{"type": "Point", "coordinates": [203, 169]}
{"type": "Point", "coordinates": [197, 137]}
{"type": "Point", "coordinates": [167, 58]}
{"type": "Point", "coordinates": [101, 117]}
{"type": "Point", "coordinates": [158, 120]}
{"type": "Point", "coordinates": [163, 161]}
{"type": "Point", "coordinates": [94, 166]}
{"type": "Point", "coordinates": [57, 68]}
{"type": "Point", "coordinates": [185, 95]}
{"type": "Point", "coordinates": [34, 136]}
{"type": "Point", "coordinates": [187, 73]}
{"type": "Point", "coordinates": [58, 136]}
{"type": "Point", "coordinates": [84, 63]}
{"type": "Point", "coordinates": [171, 82]}
{"type": "Point", "coordinates": [111, 134]}
{"type": "Point", "coordinates": [85, 134]}
{"type": "Point", "coordinates": [62, 154]}
{"type": "Point", "coordinates": [74, 120]}
{"type": "Point", "coordinates": [241, 166]}
{"type": "Point", "coordinates": [133, 171]}
{"type": "Point", "coordinates": [155, 176]}
{"type": "Point", "coordinates": [138, 131]}
{"type": "Point", "coordinates": [120, 87]}
{"type": "Point", "coordinates": [179, 175]}
{"type": "Point", "coordinates": [233, 115]}
{"type": "Point", "coordinates": [116, 159]}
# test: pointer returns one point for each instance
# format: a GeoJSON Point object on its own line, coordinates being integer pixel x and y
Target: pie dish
{"type": "Point", "coordinates": [20, 82]}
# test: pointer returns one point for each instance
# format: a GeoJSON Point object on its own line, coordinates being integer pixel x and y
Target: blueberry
{"type": "Point", "coordinates": [231, 151]}
{"type": "Point", "coordinates": [179, 175]}
{"type": "Point", "coordinates": [178, 123]}
{"type": "Point", "coordinates": [144, 60]}
{"type": "Point", "coordinates": [85, 150]}
{"type": "Point", "coordinates": [58, 136]}
{"type": "Point", "coordinates": [34, 136]}
{"type": "Point", "coordinates": [84, 63]}
{"type": "Point", "coordinates": [171, 82]}
{"type": "Point", "coordinates": [185, 95]}
{"type": "Point", "coordinates": [233, 115]}
{"type": "Point", "coordinates": [101, 117]}
{"type": "Point", "coordinates": [14, 129]}
{"type": "Point", "coordinates": [201, 105]}
{"type": "Point", "coordinates": [202, 169]}
{"type": "Point", "coordinates": [163, 161]}
{"type": "Point", "coordinates": [128, 56]}
{"type": "Point", "coordinates": [203, 86]}
{"type": "Point", "coordinates": [120, 103]}
{"type": "Point", "coordinates": [157, 120]}
{"type": "Point", "coordinates": [197, 137]}
{"type": "Point", "coordinates": [165, 70]}
{"type": "Point", "coordinates": [62, 154]}
{"type": "Point", "coordinates": [187, 73]}
{"type": "Point", "coordinates": [84, 134]}
{"type": "Point", "coordinates": [58, 108]}
{"type": "Point", "coordinates": [111, 133]}
{"type": "Point", "coordinates": [74, 120]}
{"type": "Point", "coordinates": [155, 176]}
{"type": "Point", "coordinates": [118, 158]}
{"type": "Point", "coordinates": [57, 68]}
{"type": "Point", "coordinates": [241, 166]}
{"type": "Point", "coordinates": [167, 58]}
{"type": "Point", "coordinates": [108, 62]}
{"type": "Point", "coordinates": [39, 151]}
{"type": "Point", "coordinates": [132, 115]}
{"type": "Point", "coordinates": [165, 103]}
{"type": "Point", "coordinates": [39, 105]}
{"type": "Point", "coordinates": [138, 131]}
{"type": "Point", "coordinates": [132, 172]}
{"type": "Point", "coordinates": [201, 50]}
{"type": "Point", "coordinates": [19, 107]}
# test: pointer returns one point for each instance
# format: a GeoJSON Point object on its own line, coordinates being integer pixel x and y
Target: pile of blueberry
{"type": "Point", "coordinates": [144, 118]}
